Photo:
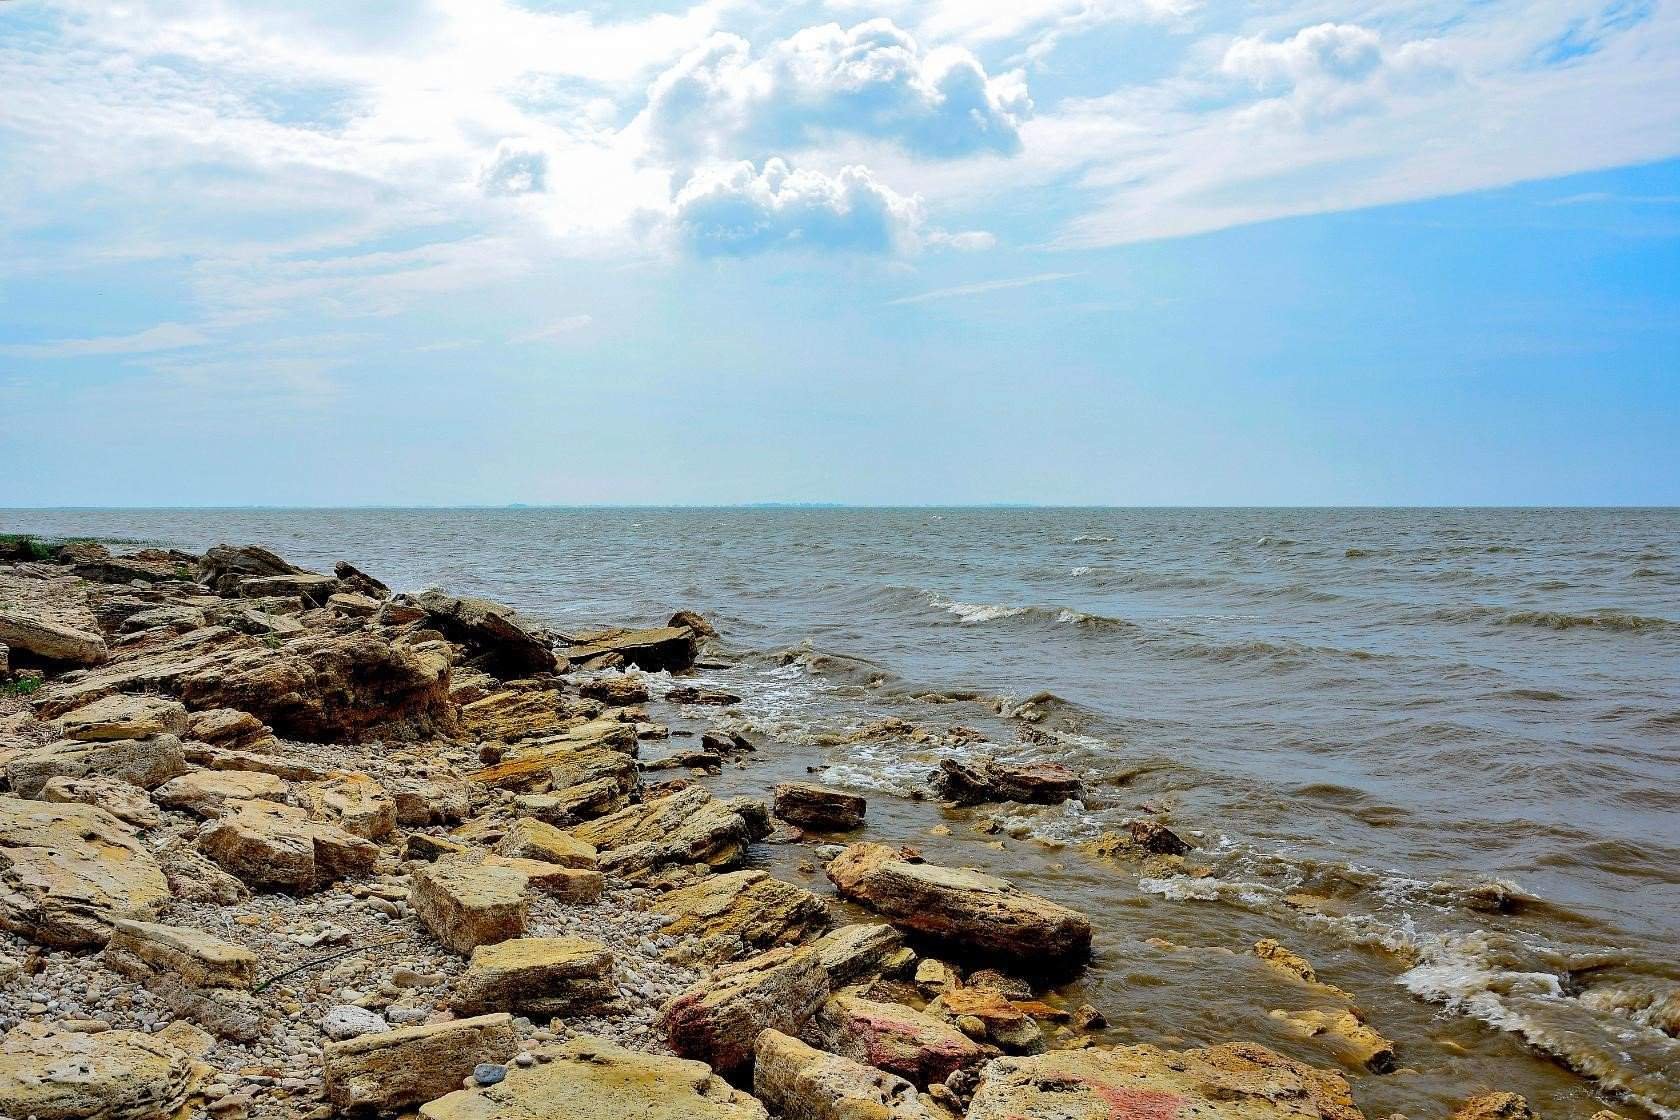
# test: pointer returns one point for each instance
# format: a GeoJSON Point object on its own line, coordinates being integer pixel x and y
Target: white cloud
{"type": "Point", "coordinates": [739, 210]}
{"type": "Point", "coordinates": [982, 287]}
{"type": "Point", "coordinates": [164, 336]}
{"type": "Point", "coordinates": [1329, 51]}
{"type": "Point", "coordinates": [873, 80]}
{"type": "Point", "coordinates": [555, 329]}
{"type": "Point", "coordinates": [518, 167]}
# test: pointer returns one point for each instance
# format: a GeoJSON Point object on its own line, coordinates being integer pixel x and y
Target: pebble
{"type": "Point", "coordinates": [489, 1073]}
{"type": "Point", "coordinates": [348, 1021]}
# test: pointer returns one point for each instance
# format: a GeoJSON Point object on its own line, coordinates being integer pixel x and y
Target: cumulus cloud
{"type": "Point", "coordinates": [1331, 68]}
{"type": "Point", "coordinates": [739, 210]}
{"type": "Point", "coordinates": [873, 80]}
{"type": "Point", "coordinates": [518, 167]}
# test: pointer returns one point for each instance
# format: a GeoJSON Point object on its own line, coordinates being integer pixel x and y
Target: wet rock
{"type": "Point", "coordinates": [280, 846]}
{"type": "Point", "coordinates": [985, 780]}
{"type": "Point", "coordinates": [70, 869]}
{"type": "Point", "coordinates": [852, 952]}
{"type": "Point", "coordinates": [1236, 1081]}
{"type": "Point", "coordinates": [128, 803]}
{"type": "Point", "coordinates": [49, 640]}
{"type": "Point", "coordinates": [1287, 962]}
{"type": "Point", "coordinates": [590, 1079]}
{"type": "Point", "coordinates": [529, 838]}
{"type": "Point", "coordinates": [146, 763]}
{"type": "Point", "coordinates": [124, 717]}
{"type": "Point", "coordinates": [619, 691]}
{"type": "Point", "coordinates": [206, 793]}
{"type": "Point", "coordinates": [803, 1083]}
{"type": "Point", "coordinates": [724, 917]}
{"type": "Point", "coordinates": [402, 1068]}
{"type": "Point", "coordinates": [974, 911]}
{"type": "Point", "coordinates": [689, 826]}
{"type": "Point", "coordinates": [670, 648]}
{"type": "Point", "coordinates": [895, 1038]}
{"type": "Point", "coordinates": [718, 1019]}
{"type": "Point", "coordinates": [695, 622]}
{"type": "Point", "coordinates": [814, 806]}
{"type": "Point", "coordinates": [499, 644]}
{"type": "Point", "coordinates": [538, 976]}
{"type": "Point", "coordinates": [689, 694]}
{"type": "Point", "coordinates": [1140, 838]}
{"type": "Point", "coordinates": [466, 903]}
{"type": "Point", "coordinates": [52, 1074]}
{"type": "Point", "coordinates": [1494, 1106]}
{"type": "Point", "coordinates": [1348, 1036]}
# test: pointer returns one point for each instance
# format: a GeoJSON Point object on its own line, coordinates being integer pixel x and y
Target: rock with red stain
{"type": "Point", "coordinates": [976, 912]}
{"type": "Point", "coordinates": [718, 1019]}
{"type": "Point", "coordinates": [893, 1037]}
{"type": "Point", "coordinates": [1235, 1081]}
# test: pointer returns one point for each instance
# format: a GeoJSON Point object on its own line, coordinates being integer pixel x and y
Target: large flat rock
{"type": "Point", "coordinates": [69, 869]}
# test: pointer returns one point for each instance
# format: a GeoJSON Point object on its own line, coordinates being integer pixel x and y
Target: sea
{"type": "Point", "coordinates": [1436, 751]}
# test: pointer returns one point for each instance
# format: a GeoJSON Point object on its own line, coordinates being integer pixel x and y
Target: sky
{"type": "Point", "coordinates": [1128, 252]}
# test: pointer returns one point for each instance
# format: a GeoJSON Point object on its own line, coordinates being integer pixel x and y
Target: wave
{"type": "Point", "coordinates": [1606, 619]}
{"type": "Point", "coordinates": [1084, 538]}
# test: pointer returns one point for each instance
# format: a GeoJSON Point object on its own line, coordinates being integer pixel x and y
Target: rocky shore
{"type": "Point", "coordinates": [278, 843]}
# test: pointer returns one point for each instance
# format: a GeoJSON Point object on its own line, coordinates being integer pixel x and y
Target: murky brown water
{"type": "Point", "coordinates": [1459, 729]}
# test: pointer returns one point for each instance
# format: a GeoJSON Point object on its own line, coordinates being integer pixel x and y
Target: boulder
{"type": "Point", "coordinates": [197, 976]}
{"type": "Point", "coordinates": [818, 807]}
{"type": "Point", "coordinates": [852, 952]}
{"type": "Point", "coordinates": [280, 846]}
{"type": "Point", "coordinates": [689, 826]}
{"type": "Point", "coordinates": [359, 582]}
{"type": "Point", "coordinates": [590, 1079]}
{"type": "Point", "coordinates": [146, 763]}
{"type": "Point", "coordinates": [124, 717]}
{"type": "Point", "coordinates": [421, 802]}
{"type": "Point", "coordinates": [618, 691]}
{"type": "Point", "coordinates": [206, 793]}
{"type": "Point", "coordinates": [1494, 1106]}
{"type": "Point", "coordinates": [355, 802]}
{"type": "Point", "coordinates": [529, 838]}
{"type": "Point", "coordinates": [128, 803]}
{"type": "Point", "coordinates": [352, 605]}
{"type": "Point", "coordinates": [1235, 1081]}
{"type": "Point", "coordinates": [738, 914]}
{"type": "Point", "coordinates": [718, 1019]}
{"type": "Point", "coordinates": [577, 886]}
{"type": "Point", "coordinates": [226, 727]}
{"type": "Point", "coordinates": [403, 1068]}
{"type": "Point", "coordinates": [987, 780]}
{"type": "Point", "coordinates": [67, 870]}
{"type": "Point", "coordinates": [308, 586]}
{"type": "Point", "coordinates": [466, 903]}
{"type": "Point", "coordinates": [538, 976]}
{"type": "Point", "coordinates": [225, 566]}
{"type": "Point", "coordinates": [499, 644]}
{"type": "Point", "coordinates": [895, 1038]}
{"type": "Point", "coordinates": [52, 1074]}
{"type": "Point", "coordinates": [1004, 1023]}
{"type": "Point", "coordinates": [669, 649]}
{"type": "Point", "coordinates": [512, 714]}
{"type": "Point", "coordinates": [174, 618]}
{"type": "Point", "coordinates": [1348, 1036]}
{"type": "Point", "coordinates": [803, 1083]}
{"type": "Point", "coordinates": [976, 912]}
{"type": "Point", "coordinates": [49, 640]}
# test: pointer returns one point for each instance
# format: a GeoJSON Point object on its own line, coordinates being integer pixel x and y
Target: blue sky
{"type": "Point", "coordinates": [1059, 251]}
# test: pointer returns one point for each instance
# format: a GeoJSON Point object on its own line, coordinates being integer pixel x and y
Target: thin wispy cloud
{"type": "Point", "coordinates": [152, 340]}
{"type": "Point", "coordinates": [982, 287]}
{"type": "Point", "coordinates": [555, 329]}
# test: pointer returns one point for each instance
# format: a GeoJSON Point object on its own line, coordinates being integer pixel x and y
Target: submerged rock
{"type": "Point", "coordinates": [814, 806]}
{"type": "Point", "coordinates": [987, 780]}
{"type": "Point", "coordinates": [1348, 1036]}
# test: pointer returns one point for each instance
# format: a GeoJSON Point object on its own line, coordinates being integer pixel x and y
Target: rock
{"type": "Point", "coordinates": [688, 826]}
{"type": "Point", "coordinates": [986, 780]}
{"type": "Point", "coordinates": [977, 912]}
{"type": "Point", "coordinates": [1347, 1035]}
{"type": "Point", "coordinates": [529, 838]}
{"type": "Point", "coordinates": [53, 1074]}
{"type": "Point", "coordinates": [688, 694]}
{"type": "Point", "coordinates": [359, 582]}
{"type": "Point", "coordinates": [670, 649]}
{"type": "Point", "coordinates": [279, 846]}
{"type": "Point", "coordinates": [489, 1073]}
{"type": "Point", "coordinates": [620, 691]}
{"type": "Point", "coordinates": [855, 951]}
{"type": "Point", "coordinates": [427, 801]}
{"type": "Point", "coordinates": [355, 802]}
{"type": "Point", "coordinates": [206, 793]}
{"type": "Point", "coordinates": [402, 1068]}
{"type": "Point", "coordinates": [1494, 1106]}
{"type": "Point", "coordinates": [500, 645]}
{"type": "Point", "coordinates": [724, 917]}
{"type": "Point", "coordinates": [226, 727]}
{"type": "Point", "coordinates": [1003, 1022]}
{"type": "Point", "coordinates": [194, 878]}
{"type": "Point", "coordinates": [190, 955]}
{"type": "Point", "coordinates": [124, 717]}
{"type": "Point", "coordinates": [351, 604]}
{"type": "Point", "coordinates": [590, 1079]}
{"type": "Point", "coordinates": [349, 1021]}
{"type": "Point", "coordinates": [1235, 1081]}
{"type": "Point", "coordinates": [538, 976]}
{"type": "Point", "coordinates": [128, 803]}
{"type": "Point", "coordinates": [511, 714]}
{"type": "Point", "coordinates": [1291, 964]}
{"type": "Point", "coordinates": [127, 569]}
{"type": "Point", "coordinates": [802, 1083]}
{"type": "Point", "coordinates": [49, 640]}
{"type": "Point", "coordinates": [68, 870]}
{"type": "Point", "coordinates": [718, 1019]}
{"type": "Point", "coordinates": [814, 806]}
{"type": "Point", "coordinates": [895, 1038]}
{"type": "Point", "coordinates": [577, 886]}
{"type": "Point", "coordinates": [1141, 838]}
{"type": "Point", "coordinates": [308, 586]}
{"type": "Point", "coordinates": [694, 621]}
{"type": "Point", "coordinates": [176, 619]}
{"type": "Point", "coordinates": [146, 763]}
{"type": "Point", "coordinates": [466, 903]}
{"type": "Point", "coordinates": [224, 567]}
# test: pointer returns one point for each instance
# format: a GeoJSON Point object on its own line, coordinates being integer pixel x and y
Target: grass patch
{"type": "Point", "coordinates": [23, 686]}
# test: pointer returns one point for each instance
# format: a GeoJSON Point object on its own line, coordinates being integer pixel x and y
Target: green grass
{"type": "Point", "coordinates": [23, 544]}
{"type": "Point", "coordinates": [23, 686]}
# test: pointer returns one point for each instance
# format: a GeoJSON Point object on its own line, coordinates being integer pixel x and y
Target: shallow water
{"type": "Point", "coordinates": [1391, 709]}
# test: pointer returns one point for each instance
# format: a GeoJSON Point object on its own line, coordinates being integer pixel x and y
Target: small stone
{"type": "Point", "coordinates": [349, 1021]}
{"type": "Point", "coordinates": [489, 1073]}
